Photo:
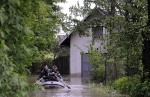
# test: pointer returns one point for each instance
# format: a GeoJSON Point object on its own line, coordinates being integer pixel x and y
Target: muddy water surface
{"type": "Point", "coordinates": [78, 89]}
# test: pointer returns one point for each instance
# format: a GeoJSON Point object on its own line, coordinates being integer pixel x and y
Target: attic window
{"type": "Point", "coordinates": [97, 31]}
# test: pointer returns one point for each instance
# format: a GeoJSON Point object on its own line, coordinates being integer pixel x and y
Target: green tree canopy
{"type": "Point", "coordinates": [27, 28]}
{"type": "Point", "coordinates": [126, 22]}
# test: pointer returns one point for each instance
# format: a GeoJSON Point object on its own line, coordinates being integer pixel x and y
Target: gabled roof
{"type": "Point", "coordinates": [66, 40]}
{"type": "Point", "coordinates": [95, 12]}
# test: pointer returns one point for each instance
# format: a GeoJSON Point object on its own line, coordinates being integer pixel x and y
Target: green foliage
{"type": "Point", "coordinates": [102, 89]}
{"type": "Point", "coordinates": [44, 24]}
{"type": "Point", "coordinates": [126, 23]}
{"type": "Point", "coordinates": [15, 48]}
{"type": "Point", "coordinates": [126, 35]}
{"type": "Point", "coordinates": [57, 50]}
{"type": "Point", "coordinates": [96, 57]}
{"type": "Point", "coordinates": [132, 86]}
{"type": "Point", "coordinates": [98, 68]}
{"type": "Point", "coordinates": [142, 88]}
{"type": "Point", "coordinates": [125, 26]}
{"type": "Point", "coordinates": [125, 84]}
{"type": "Point", "coordinates": [27, 28]}
{"type": "Point", "coordinates": [97, 75]}
{"type": "Point", "coordinates": [124, 42]}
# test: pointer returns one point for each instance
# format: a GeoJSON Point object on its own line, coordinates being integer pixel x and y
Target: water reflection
{"type": "Point", "coordinates": [78, 89]}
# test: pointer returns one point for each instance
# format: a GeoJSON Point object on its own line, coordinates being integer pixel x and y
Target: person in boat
{"type": "Point", "coordinates": [45, 73]}
{"type": "Point", "coordinates": [55, 73]}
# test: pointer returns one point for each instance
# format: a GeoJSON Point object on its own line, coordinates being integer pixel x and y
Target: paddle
{"type": "Point", "coordinates": [63, 82]}
{"type": "Point", "coordinates": [37, 82]}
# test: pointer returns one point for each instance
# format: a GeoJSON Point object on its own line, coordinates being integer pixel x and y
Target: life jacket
{"type": "Point", "coordinates": [46, 72]}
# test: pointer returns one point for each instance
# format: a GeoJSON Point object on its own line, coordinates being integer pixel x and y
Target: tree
{"type": "Point", "coordinates": [128, 42]}
{"type": "Point", "coordinates": [59, 51]}
{"type": "Point", "coordinates": [25, 25]}
{"type": "Point", "coordinates": [126, 21]}
{"type": "Point", "coordinates": [146, 47]}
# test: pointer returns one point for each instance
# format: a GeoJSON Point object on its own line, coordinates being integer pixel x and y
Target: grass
{"type": "Point", "coordinates": [105, 90]}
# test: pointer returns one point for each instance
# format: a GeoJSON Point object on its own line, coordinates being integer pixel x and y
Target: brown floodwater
{"type": "Point", "coordinates": [79, 88]}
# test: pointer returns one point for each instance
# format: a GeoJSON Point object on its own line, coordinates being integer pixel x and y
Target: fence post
{"type": "Point", "coordinates": [105, 55]}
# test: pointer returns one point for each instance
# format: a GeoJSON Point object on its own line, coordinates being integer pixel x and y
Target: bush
{"type": "Point", "coordinates": [125, 84]}
{"type": "Point", "coordinates": [97, 60]}
{"type": "Point", "coordinates": [141, 90]}
{"type": "Point", "coordinates": [103, 89]}
{"type": "Point", "coordinates": [98, 74]}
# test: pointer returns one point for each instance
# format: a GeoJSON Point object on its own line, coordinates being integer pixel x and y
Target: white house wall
{"type": "Point", "coordinates": [78, 44]}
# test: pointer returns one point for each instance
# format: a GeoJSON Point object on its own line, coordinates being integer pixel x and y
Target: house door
{"type": "Point", "coordinates": [85, 67]}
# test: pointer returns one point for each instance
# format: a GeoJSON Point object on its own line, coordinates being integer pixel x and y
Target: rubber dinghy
{"type": "Point", "coordinates": [50, 83]}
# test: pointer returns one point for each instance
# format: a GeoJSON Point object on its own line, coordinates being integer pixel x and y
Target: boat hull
{"type": "Point", "coordinates": [52, 84]}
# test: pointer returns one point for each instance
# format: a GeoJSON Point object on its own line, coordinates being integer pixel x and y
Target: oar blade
{"type": "Point", "coordinates": [68, 87]}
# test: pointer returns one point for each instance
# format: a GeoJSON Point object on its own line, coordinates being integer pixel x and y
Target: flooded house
{"type": "Point", "coordinates": [85, 34]}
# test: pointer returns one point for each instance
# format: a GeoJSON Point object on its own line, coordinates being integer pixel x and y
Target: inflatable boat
{"type": "Point", "coordinates": [50, 83]}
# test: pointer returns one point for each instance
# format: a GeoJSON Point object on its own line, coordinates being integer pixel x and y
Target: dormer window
{"type": "Point", "coordinates": [97, 31]}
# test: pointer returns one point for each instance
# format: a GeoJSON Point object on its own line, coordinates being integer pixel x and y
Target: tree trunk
{"type": "Point", "coordinates": [127, 18]}
{"type": "Point", "coordinates": [148, 1]}
{"type": "Point", "coordinates": [146, 48]}
{"type": "Point", "coordinates": [116, 71]}
{"type": "Point", "coordinates": [113, 5]}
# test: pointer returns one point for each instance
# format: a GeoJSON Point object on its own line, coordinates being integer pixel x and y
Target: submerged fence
{"type": "Point", "coordinates": [63, 64]}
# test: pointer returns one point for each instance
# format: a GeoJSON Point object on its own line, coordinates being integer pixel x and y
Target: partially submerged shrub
{"type": "Point", "coordinates": [98, 74]}
{"type": "Point", "coordinates": [97, 60]}
{"type": "Point", "coordinates": [141, 90]}
{"type": "Point", "coordinates": [125, 84]}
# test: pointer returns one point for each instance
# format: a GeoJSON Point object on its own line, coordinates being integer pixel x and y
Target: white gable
{"type": "Point", "coordinates": [77, 45]}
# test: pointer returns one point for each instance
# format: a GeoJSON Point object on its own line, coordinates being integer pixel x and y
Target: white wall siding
{"type": "Point", "coordinates": [77, 44]}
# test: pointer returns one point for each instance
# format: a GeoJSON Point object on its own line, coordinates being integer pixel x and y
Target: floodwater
{"type": "Point", "coordinates": [79, 88]}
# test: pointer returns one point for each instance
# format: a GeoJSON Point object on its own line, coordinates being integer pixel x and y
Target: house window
{"type": "Point", "coordinates": [97, 31]}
